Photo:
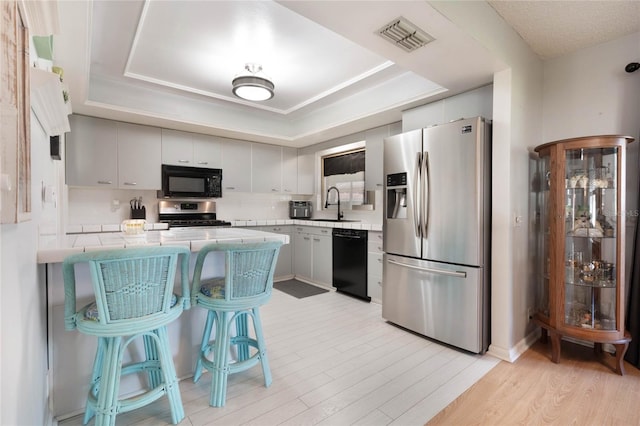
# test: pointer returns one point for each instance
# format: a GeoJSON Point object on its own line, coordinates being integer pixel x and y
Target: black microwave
{"type": "Point", "coordinates": [191, 182]}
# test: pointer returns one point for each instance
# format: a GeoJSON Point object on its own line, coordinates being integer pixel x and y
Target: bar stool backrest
{"type": "Point", "coordinates": [248, 279]}
{"type": "Point", "coordinates": [133, 288]}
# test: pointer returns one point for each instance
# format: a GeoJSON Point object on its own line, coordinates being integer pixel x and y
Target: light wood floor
{"type": "Point", "coordinates": [534, 391]}
{"type": "Point", "coordinates": [334, 362]}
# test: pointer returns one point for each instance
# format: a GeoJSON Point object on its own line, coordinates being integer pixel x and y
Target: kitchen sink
{"type": "Point", "coordinates": [335, 220]}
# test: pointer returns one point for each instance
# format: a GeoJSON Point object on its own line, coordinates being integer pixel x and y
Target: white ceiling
{"type": "Point", "coordinates": [170, 63]}
{"type": "Point", "coordinates": [555, 28]}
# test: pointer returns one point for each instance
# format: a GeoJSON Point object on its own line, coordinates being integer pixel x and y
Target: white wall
{"type": "Point", "coordinates": [23, 311]}
{"type": "Point", "coordinates": [517, 123]}
{"type": "Point", "coordinates": [589, 93]}
{"type": "Point", "coordinates": [478, 102]}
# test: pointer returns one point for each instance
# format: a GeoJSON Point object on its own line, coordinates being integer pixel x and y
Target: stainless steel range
{"type": "Point", "coordinates": [183, 213]}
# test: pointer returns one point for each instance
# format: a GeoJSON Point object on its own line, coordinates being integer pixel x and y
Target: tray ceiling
{"type": "Point", "coordinates": [170, 64]}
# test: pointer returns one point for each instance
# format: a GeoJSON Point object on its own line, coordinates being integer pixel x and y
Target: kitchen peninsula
{"type": "Point", "coordinates": [71, 353]}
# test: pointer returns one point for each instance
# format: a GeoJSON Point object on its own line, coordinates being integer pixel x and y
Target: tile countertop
{"type": "Point", "coordinates": [96, 228]}
{"type": "Point", "coordinates": [58, 248]}
{"type": "Point", "coordinates": [351, 225]}
{"type": "Point", "coordinates": [195, 238]}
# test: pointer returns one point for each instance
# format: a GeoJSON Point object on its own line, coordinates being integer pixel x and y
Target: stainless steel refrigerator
{"type": "Point", "coordinates": [436, 228]}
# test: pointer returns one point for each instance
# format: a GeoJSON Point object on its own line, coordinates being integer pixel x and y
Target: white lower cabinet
{"type": "Point", "coordinates": [322, 258]}
{"type": "Point", "coordinates": [284, 267]}
{"type": "Point", "coordinates": [313, 254]}
{"type": "Point", "coordinates": [374, 266]}
{"type": "Point", "coordinates": [302, 254]}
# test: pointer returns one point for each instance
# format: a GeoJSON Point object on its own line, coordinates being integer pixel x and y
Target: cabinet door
{"type": "Point", "coordinates": [302, 254]}
{"type": "Point", "coordinates": [207, 151]}
{"type": "Point", "coordinates": [91, 152]}
{"type": "Point", "coordinates": [374, 175]}
{"type": "Point", "coordinates": [290, 170]}
{"type": "Point", "coordinates": [177, 148]}
{"type": "Point", "coordinates": [236, 166]}
{"type": "Point", "coordinates": [284, 267]}
{"type": "Point", "coordinates": [590, 245]}
{"type": "Point", "coordinates": [374, 266]}
{"type": "Point", "coordinates": [322, 259]}
{"type": "Point", "coordinates": [306, 173]}
{"type": "Point", "coordinates": [266, 168]}
{"type": "Point", "coordinates": [139, 157]}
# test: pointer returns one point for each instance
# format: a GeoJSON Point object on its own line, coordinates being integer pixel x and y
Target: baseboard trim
{"type": "Point", "coordinates": [513, 353]}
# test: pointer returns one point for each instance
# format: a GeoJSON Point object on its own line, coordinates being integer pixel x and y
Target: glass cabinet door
{"type": "Point", "coordinates": [590, 238]}
{"type": "Point", "coordinates": [541, 181]}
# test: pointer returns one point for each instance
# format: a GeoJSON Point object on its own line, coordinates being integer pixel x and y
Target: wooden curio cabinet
{"type": "Point", "coordinates": [579, 193]}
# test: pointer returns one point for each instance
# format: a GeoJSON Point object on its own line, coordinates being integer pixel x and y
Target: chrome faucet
{"type": "Point", "coordinates": [326, 204]}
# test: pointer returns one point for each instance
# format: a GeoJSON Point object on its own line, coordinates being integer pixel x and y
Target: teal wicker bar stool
{"type": "Point", "coordinates": [231, 300]}
{"type": "Point", "coordinates": [134, 299]}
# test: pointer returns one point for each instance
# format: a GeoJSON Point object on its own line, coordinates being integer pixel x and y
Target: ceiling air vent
{"type": "Point", "coordinates": [404, 34]}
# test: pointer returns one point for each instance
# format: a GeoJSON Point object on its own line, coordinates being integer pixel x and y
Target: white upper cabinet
{"type": "Point", "coordinates": [91, 152]}
{"type": "Point", "coordinates": [306, 173]}
{"type": "Point", "coordinates": [110, 154]}
{"type": "Point", "coordinates": [207, 151]}
{"type": "Point", "coordinates": [374, 174]}
{"type": "Point", "coordinates": [139, 157]}
{"type": "Point", "coordinates": [236, 166]}
{"type": "Point", "coordinates": [191, 149]}
{"type": "Point", "coordinates": [289, 170]}
{"type": "Point", "coordinates": [266, 168]}
{"type": "Point", "coordinates": [177, 148]}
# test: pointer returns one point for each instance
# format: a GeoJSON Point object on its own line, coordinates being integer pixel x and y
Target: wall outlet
{"type": "Point", "coordinates": [530, 312]}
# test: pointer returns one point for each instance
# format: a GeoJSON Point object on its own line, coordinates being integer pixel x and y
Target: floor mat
{"type": "Point", "coordinates": [298, 289]}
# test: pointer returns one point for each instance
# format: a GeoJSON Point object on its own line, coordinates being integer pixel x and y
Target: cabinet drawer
{"type": "Point", "coordinates": [319, 231]}
{"type": "Point", "coordinates": [374, 264]}
{"type": "Point", "coordinates": [374, 246]}
{"type": "Point", "coordinates": [277, 229]}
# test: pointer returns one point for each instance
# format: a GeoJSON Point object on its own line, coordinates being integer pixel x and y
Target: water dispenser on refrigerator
{"type": "Point", "coordinates": [396, 196]}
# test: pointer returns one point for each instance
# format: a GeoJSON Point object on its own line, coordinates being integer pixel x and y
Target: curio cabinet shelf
{"type": "Point", "coordinates": [579, 198]}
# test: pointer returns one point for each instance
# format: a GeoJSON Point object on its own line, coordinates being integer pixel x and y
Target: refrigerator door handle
{"type": "Point", "coordinates": [425, 194]}
{"type": "Point", "coordinates": [417, 211]}
{"type": "Point", "coordinates": [458, 274]}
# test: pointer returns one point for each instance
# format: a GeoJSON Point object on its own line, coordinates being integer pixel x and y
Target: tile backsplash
{"type": "Point", "coordinates": [88, 206]}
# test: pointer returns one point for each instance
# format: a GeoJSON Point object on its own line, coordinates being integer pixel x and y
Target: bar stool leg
{"type": "Point", "coordinates": [204, 345]}
{"type": "Point", "coordinates": [151, 351]}
{"type": "Point", "coordinates": [170, 376]}
{"type": "Point", "coordinates": [94, 385]}
{"type": "Point", "coordinates": [262, 347]}
{"type": "Point", "coordinates": [242, 331]}
{"type": "Point", "coordinates": [220, 370]}
{"type": "Point", "coordinates": [106, 408]}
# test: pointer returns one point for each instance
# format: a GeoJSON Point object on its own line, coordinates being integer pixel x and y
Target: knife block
{"type": "Point", "coordinates": [140, 213]}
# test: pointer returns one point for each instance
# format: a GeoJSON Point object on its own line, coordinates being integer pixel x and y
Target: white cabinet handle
{"type": "Point", "coordinates": [204, 163]}
{"type": "Point", "coordinates": [274, 190]}
{"type": "Point", "coordinates": [105, 182]}
{"type": "Point", "coordinates": [230, 187]}
{"type": "Point", "coordinates": [131, 183]}
{"type": "Point", "coordinates": [183, 161]}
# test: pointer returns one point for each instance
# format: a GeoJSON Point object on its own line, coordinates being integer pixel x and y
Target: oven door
{"type": "Point", "coordinates": [191, 182]}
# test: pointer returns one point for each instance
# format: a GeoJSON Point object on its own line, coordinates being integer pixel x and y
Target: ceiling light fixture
{"type": "Point", "coordinates": [253, 85]}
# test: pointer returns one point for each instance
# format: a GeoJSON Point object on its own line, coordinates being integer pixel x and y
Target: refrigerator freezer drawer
{"type": "Point", "coordinates": [438, 300]}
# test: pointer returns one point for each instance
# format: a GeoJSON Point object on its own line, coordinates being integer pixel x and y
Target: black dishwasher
{"type": "Point", "coordinates": [350, 262]}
